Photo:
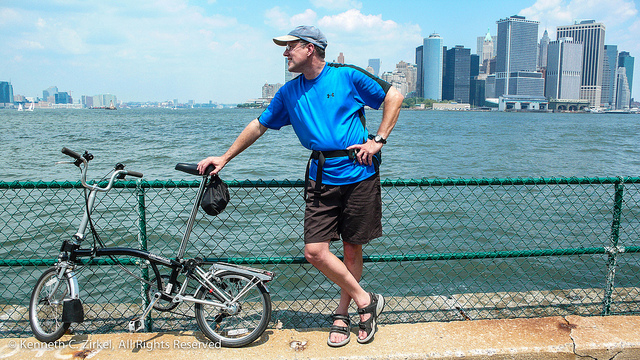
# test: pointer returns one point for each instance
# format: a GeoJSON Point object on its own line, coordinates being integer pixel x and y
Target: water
{"type": "Point", "coordinates": [431, 144]}
{"type": "Point", "coordinates": [424, 144]}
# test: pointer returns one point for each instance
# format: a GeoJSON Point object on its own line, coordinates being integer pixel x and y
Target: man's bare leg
{"type": "Point", "coordinates": [320, 256]}
{"type": "Point", "coordinates": [353, 262]}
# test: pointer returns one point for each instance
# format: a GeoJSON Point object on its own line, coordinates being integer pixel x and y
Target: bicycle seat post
{"type": "Point", "coordinates": [192, 218]}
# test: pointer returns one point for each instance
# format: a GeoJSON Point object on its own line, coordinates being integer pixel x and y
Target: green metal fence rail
{"type": "Point", "coordinates": [452, 249]}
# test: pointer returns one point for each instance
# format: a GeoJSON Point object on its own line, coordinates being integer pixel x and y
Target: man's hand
{"type": "Point", "coordinates": [366, 151]}
{"type": "Point", "coordinates": [217, 162]}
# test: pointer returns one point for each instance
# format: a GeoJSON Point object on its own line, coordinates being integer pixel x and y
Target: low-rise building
{"type": "Point", "coordinates": [523, 103]}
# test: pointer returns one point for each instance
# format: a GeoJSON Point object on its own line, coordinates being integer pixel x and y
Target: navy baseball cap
{"type": "Point", "coordinates": [307, 33]}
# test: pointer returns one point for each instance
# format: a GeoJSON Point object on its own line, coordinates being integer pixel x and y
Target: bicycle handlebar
{"type": "Point", "coordinates": [134, 173]}
{"type": "Point", "coordinates": [71, 153]}
{"type": "Point", "coordinates": [83, 179]}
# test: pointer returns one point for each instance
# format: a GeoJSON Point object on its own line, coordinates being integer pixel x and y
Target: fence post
{"type": "Point", "coordinates": [142, 241]}
{"type": "Point", "coordinates": [613, 249]}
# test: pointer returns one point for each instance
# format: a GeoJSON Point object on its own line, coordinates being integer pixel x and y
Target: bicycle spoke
{"type": "Point", "coordinates": [245, 321]}
{"type": "Point", "coordinates": [45, 307]}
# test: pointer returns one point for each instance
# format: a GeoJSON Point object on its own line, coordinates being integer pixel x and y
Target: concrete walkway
{"type": "Point", "coordinates": [570, 337]}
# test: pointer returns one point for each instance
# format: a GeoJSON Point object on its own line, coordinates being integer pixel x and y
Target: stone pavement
{"type": "Point", "coordinates": [570, 337]}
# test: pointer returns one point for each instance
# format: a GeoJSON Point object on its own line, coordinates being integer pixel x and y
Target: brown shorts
{"type": "Point", "coordinates": [353, 212]}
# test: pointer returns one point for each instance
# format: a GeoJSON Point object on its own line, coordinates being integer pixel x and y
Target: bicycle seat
{"type": "Point", "coordinates": [189, 168]}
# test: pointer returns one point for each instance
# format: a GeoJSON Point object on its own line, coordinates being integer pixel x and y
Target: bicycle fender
{"type": "Point", "coordinates": [72, 311]}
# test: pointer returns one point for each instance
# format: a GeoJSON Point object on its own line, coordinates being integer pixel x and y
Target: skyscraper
{"type": "Point", "coordinates": [609, 71]}
{"type": "Point", "coordinates": [288, 75]}
{"type": "Point", "coordinates": [6, 92]}
{"type": "Point", "coordinates": [486, 46]}
{"type": "Point", "coordinates": [375, 64]}
{"type": "Point", "coordinates": [486, 51]}
{"type": "Point", "coordinates": [50, 94]}
{"type": "Point", "coordinates": [63, 97]}
{"type": "Point", "coordinates": [623, 91]}
{"type": "Point", "coordinates": [409, 71]}
{"type": "Point", "coordinates": [270, 90]}
{"type": "Point", "coordinates": [341, 58]}
{"type": "Point", "coordinates": [626, 61]}
{"type": "Point", "coordinates": [432, 63]}
{"type": "Point", "coordinates": [456, 81]}
{"type": "Point", "coordinates": [476, 84]}
{"type": "Point", "coordinates": [591, 34]}
{"type": "Point", "coordinates": [398, 79]}
{"type": "Point", "coordinates": [542, 50]}
{"type": "Point", "coordinates": [516, 61]}
{"type": "Point", "coordinates": [419, 72]}
{"type": "Point", "coordinates": [564, 69]}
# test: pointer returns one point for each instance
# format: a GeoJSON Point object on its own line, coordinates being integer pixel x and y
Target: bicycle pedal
{"type": "Point", "coordinates": [135, 325]}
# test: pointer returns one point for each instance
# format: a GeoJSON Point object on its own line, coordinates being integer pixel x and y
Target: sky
{"type": "Point", "coordinates": [222, 50]}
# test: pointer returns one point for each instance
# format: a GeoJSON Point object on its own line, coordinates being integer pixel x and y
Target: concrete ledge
{"type": "Point", "coordinates": [569, 337]}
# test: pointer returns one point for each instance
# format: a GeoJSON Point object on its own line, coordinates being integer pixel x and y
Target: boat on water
{"type": "Point", "coordinates": [618, 112]}
{"type": "Point", "coordinates": [21, 108]}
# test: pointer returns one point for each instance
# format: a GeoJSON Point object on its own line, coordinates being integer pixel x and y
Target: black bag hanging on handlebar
{"type": "Point", "coordinates": [216, 196]}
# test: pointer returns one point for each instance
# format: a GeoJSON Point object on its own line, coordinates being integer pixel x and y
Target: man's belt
{"type": "Point", "coordinates": [321, 156]}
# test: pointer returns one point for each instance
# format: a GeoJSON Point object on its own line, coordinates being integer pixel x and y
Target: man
{"type": "Point", "coordinates": [325, 106]}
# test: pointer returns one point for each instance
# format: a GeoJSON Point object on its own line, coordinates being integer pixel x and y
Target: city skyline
{"type": "Point", "coordinates": [217, 50]}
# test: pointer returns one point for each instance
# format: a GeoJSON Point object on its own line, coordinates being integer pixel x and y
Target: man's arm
{"type": "Point", "coordinates": [248, 136]}
{"type": "Point", "coordinates": [392, 104]}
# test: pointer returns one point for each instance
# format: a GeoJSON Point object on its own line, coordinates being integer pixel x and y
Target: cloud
{"type": "Point", "coordinates": [362, 36]}
{"type": "Point", "coordinates": [29, 44]}
{"type": "Point", "coordinates": [369, 30]}
{"type": "Point", "coordinates": [8, 16]}
{"type": "Point", "coordinates": [353, 21]}
{"type": "Point", "coordinates": [71, 42]}
{"type": "Point", "coordinates": [156, 49]}
{"type": "Point", "coordinates": [359, 36]}
{"type": "Point", "coordinates": [612, 13]}
{"type": "Point", "coordinates": [337, 4]}
{"type": "Point", "coordinates": [277, 18]}
{"type": "Point", "coordinates": [305, 18]}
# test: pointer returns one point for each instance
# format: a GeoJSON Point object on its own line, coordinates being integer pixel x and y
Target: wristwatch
{"type": "Point", "coordinates": [379, 139]}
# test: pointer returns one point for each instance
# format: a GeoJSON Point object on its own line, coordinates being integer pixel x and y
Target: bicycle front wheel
{"type": "Point", "coordinates": [244, 325]}
{"type": "Point", "coordinates": [45, 307]}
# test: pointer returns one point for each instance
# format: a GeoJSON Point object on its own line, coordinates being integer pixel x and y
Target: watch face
{"type": "Point", "coordinates": [379, 139]}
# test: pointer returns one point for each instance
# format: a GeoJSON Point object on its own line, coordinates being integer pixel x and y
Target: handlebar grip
{"type": "Point", "coordinates": [71, 153]}
{"type": "Point", "coordinates": [134, 173]}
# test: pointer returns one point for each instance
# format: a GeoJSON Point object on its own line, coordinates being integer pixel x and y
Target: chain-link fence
{"type": "Point", "coordinates": [451, 250]}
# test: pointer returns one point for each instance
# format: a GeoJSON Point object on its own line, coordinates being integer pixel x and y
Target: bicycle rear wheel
{"type": "Point", "coordinates": [244, 325]}
{"type": "Point", "coordinates": [45, 306]}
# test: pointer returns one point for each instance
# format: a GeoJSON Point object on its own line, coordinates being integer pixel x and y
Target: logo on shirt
{"type": "Point", "coordinates": [330, 95]}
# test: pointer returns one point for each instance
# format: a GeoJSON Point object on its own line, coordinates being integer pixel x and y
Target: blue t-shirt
{"type": "Point", "coordinates": [324, 113]}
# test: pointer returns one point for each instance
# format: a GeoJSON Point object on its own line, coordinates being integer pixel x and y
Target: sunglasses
{"type": "Point", "coordinates": [291, 48]}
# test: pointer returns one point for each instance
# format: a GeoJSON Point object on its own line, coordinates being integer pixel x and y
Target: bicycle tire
{"type": "Point", "coordinates": [45, 315]}
{"type": "Point", "coordinates": [247, 324]}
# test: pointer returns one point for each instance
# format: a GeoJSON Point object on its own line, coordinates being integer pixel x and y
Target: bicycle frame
{"type": "Point", "coordinates": [70, 253]}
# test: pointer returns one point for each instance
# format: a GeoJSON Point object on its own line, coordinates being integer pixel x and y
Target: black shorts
{"type": "Point", "coordinates": [352, 212]}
